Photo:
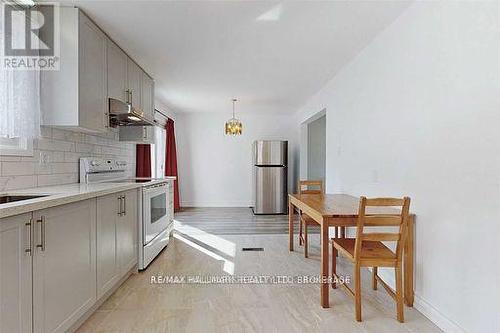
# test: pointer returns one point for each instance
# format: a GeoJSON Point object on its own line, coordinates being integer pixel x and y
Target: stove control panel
{"type": "Point", "coordinates": [93, 169]}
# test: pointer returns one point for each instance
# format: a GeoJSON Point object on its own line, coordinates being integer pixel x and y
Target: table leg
{"type": "Point", "coordinates": [325, 292]}
{"type": "Point", "coordinates": [409, 263]}
{"type": "Point", "coordinates": [291, 211]}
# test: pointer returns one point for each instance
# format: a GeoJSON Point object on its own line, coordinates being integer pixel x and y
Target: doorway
{"type": "Point", "coordinates": [316, 149]}
{"type": "Point", "coordinates": [313, 148]}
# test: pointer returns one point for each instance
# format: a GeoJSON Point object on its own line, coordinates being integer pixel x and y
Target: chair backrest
{"type": "Point", "coordinates": [379, 218]}
{"type": "Point", "coordinates": [311, 187]}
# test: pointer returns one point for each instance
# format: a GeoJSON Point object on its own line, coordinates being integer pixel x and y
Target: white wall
{"type": "Point", "coordinates": [417, 113]}
{"type": "Point", "coordinates": [215, 169]}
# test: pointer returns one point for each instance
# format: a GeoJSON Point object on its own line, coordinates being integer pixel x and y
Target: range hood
{"type": "Point", "coordinates": [123, 114]}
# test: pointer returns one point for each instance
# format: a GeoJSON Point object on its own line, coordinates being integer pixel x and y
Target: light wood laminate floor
{"type": "Point", "coordinates": [234, 221]}
{"type": "Point", "coordinates": [139, 306]}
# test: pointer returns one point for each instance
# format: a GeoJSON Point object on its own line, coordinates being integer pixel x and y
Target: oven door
{"type": "Point", "coordinates": [155, 211]}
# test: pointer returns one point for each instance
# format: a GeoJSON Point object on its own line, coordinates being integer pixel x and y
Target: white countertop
{"type": "Point", "coordinates": [64, 194]}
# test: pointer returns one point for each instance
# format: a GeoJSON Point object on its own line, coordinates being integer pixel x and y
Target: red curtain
{"type": "Point", "coordinates": [171, 161]}
{"type": "Point", "coordinates": [143, 161]}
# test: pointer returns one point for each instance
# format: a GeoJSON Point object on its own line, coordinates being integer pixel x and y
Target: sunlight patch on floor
{"type": "Point", "coordinates": [228, 264]}
{"type": "Point", "coordinates": [211, 240]}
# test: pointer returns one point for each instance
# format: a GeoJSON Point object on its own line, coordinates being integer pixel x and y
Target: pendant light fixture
{"type": "Point", "coordinates": [233, 125]}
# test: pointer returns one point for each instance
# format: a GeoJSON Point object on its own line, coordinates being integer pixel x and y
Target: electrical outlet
{"type": "Point", "coordinates": [44, 158]}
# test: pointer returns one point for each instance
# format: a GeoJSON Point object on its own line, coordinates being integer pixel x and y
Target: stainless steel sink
{"type": "Point", "coordinates": [14, 198]}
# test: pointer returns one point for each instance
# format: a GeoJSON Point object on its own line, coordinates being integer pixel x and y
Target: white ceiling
{"type": "Point", "coordinates": [270, 55]}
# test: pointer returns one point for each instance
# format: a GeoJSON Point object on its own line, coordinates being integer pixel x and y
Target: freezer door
{"type": "Point", "coordinates": [271, 152]}
{"type": "Point", "coordinates": [270, 190]}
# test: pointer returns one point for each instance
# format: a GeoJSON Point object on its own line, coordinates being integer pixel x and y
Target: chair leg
{"type": "Point", "coordinates": [334, 266]}
{"type": "Point", "coordinates": [300, 232]}
{"type": "Point", "coordinates": [374, 278]}
{"type": "Point", "coordinates": [357, 290]}
{"type": "Point", "coordinates": [306, 241]}
{"type": "Point", "coordinates": [336, 236]}
{"type": "Point", "coordinates": [399, 294]}
{"type": "Point", "coordinates": [342, 232]}
{"type": "Point", "coordinates": [320, 240]}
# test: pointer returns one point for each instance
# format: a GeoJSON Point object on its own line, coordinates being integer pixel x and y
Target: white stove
{"type": "Point", "coordinates": [156, 213]}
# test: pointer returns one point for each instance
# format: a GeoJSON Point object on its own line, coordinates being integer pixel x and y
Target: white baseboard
{"type": "Point", "coordinates": [437, 317]}
{"type": "Point", "coordinates": [212, 204]}
{"type": "Point", "coordinates": [424, 307]}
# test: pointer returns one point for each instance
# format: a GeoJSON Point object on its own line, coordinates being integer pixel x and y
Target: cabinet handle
{"type": "Point", "coordinates": [28, 231]}
{"type": "Point", "coordinates": [128, 95]}
{"type": "Point", "coordinates": [41, 220]}
{"type": "Point", "coordinates": [119, 206]}
{"type": "Point", "coordinates": [124, 205]}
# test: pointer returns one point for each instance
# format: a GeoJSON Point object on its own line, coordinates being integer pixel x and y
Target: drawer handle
{"type": "Point", "coordinates": [120, 210]}
{"type": "Point", "coordinates": [41, 220]}
{"type": "Point", "coordinates": [28, 249]}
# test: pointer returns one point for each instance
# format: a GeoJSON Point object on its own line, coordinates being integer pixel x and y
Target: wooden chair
{"type": "Point", "coordinates": [305, 220]}
{"type": "Point", "coordinates": [367, 249]}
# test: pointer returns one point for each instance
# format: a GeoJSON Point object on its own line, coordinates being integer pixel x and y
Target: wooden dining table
{"type": "Point", "coordinates": [341, 210]}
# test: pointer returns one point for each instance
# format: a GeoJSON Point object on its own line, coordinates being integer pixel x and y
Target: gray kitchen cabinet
{"type": "Point", "coordinates": [75, 96]}
{"type": "Point", "coordinates": [137, 134]}
{"type": "Point", "coordinates": [108, 208]}
{"type": "Point", "coordinates": [147, 96]}
{"type": "Point", "coordinates": [134, 79]}
{"type": "Point", "coordinates": [16, 274]}
{"type": "Point", "coordinates": [127, 228]}
{"type": "Point", "coordinates": [64, 265]}
{"type": "Point", "coordinates": [117, 72]}
{"type": "Point", "coordinates": [117, 218]}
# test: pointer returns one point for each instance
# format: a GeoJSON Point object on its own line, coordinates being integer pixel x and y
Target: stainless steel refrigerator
{"type": "Point", "coordinates": [270, 177]}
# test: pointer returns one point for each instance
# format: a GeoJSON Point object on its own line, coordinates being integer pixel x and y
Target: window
{"type": "Point", "coordinates": [16, 146]}
{"type": "Point", "coordinates": [19, 102]}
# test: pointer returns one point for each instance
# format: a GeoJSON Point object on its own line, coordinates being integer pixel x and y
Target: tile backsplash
{"type": "Point", "coordinates": [55, 158]}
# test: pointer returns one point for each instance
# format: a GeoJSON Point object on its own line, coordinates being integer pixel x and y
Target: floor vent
{"type": "Point", "coordinates": [252, 249]}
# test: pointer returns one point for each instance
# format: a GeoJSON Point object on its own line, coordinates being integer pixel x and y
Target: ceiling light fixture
{"type": "Point", "coordinates": [233, 126]}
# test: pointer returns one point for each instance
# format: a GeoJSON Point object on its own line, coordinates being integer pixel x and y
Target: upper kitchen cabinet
{"type": "Point", "coordinates": [117, 73]}
{"type": "Point", "coordinates": [134, 78]}
{"type": "Point", "coordinates": [148, 89]}
{"type": "Point", "coordinates": [75, 96]}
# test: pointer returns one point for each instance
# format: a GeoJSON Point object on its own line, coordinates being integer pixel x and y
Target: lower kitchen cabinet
{"type": "Point", "coordinates": [126, 232]}
{"type": "Point", "coordinates": [116, 238]}
{"type": "Point", "coordinates": [108, 207]}
{"type": "Point", "coordinates": [15, 274]}
{"type": "Point", "coordinates": [64, 265]}
{"type": "Point", "coordinates": [56, 263]}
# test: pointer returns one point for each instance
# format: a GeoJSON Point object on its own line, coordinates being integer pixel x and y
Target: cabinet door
{"type": "Point", "coordinates": [134, 78]}
{"type": "Point", "coordinates": [147, 95]}
{"type": "Point", "coordinates": [127, 232]}
{"type": "Point", "coordinates": [92, 76]}
{"type": "Point", "coordinates": [64, 267]}
{"type": "Point", "coordinates": [15, 274]}
{"type": "Point", "coordinates": [117, 72]}
{"type": "Point", "coordinates": [138, 134]}
{"type": "Point", "coordinates": [108, 210]}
